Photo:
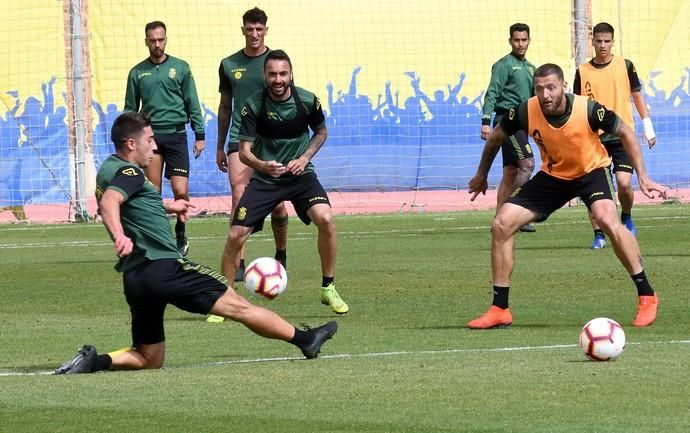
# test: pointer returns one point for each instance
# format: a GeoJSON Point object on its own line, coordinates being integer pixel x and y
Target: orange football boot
{"type": "Point", "coordinates": [646, 310]}
{"type": "Point", "coordinates": [495, 317]}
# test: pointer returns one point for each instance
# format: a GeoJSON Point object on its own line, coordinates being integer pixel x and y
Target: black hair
{"type": "Point", "coordinates": [128, 125]}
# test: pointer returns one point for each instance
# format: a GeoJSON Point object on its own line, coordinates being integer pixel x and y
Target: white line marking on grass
{"type": "Point", "coordinates": [366, 355]}
{"type": "Point", "coordinates": [348, 234]}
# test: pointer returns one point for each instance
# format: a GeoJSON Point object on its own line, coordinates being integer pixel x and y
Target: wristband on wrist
{"type": "Point", "coordinates": [648, 128]}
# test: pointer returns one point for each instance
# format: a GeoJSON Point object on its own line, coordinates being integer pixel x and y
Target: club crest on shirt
{"type": "Point", "coordinates": [172, 73]}
{"type": "Point", "coordinates": [238, 75]}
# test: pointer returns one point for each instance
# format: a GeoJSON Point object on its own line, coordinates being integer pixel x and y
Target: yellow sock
{"type": "Point", "coordinates": [119, 352]}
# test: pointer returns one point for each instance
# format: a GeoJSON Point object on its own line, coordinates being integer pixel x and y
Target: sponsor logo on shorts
{"type": "Point", "coordinates": [318, 198]}
{"type": "Point", "coordinates": [625, 166]}
{"type": "Point", "coordinates": [516, 191]}
{"type": "Point", "coordinates": [511, 114]}
{"type": "Point", "coordinates": [180, 170]}
{"type": "Point", "coordinates": [600, 113]}
{"type": "Point", "coordinates": [242, 213]}
{"type": "Point", "coordinates": [596, 194]}
{"type": "Point", "coordinates": [172, 73]}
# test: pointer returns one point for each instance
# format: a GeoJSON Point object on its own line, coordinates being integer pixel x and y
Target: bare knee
{"type": "Point", "coordinates": [149, 357]}
{"type": "Point", "coordinates": [325, 222]}
{"type": "Point", "coordinates": [501, 229]}
{"type": "Point", "coordinates": [280, 212]}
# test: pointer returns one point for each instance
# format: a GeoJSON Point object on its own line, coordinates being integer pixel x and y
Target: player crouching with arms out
{"type": "Point", "coordinates": [574, 164]}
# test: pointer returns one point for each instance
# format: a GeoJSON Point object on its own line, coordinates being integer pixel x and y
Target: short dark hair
{"type": "Point", "coordinates": [519, 27]}
{"type": "Point", "coordinates": [602, 28]}
{"type": "Point", "coordinates": [154, 25]}
{"type": "Point", "coordinates": [277, 55]}
{"type": "Point", "coordinates": [128, 125]}
{"type": "Point", "coordinates": [255, 15]}
{"type": "Point", "coordinates": [549, 69]}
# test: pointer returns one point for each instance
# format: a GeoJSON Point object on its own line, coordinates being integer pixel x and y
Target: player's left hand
{"type": "Point", "coordinates": [297, 166]}
{"type": "Point", "coordinates": [199, 146]}
{"type": "Point", "coordinates": [478, 184]}
{"type": "Point", "coordinates": [648, 187]}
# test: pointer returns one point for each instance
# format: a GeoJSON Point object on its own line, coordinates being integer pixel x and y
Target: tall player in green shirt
{"type": "Point", "coordinates": [154, 272]}
{"type": "Point", "coordinates": [511, 84]}
{"type": "Point", "coordinates": [241, 75]}
{"type": "Point", "coordinates": [163, 87]}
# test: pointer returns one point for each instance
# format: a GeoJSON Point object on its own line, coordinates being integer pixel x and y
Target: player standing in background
{"type": "Point", "coordinates": [611, 81]}
{"type": "Point", "coordinates": [275, 142]}
{"type": "Point", "coordinates": [574, 164]}
{"type": "Point", "coordinates": [163, 87]}
{"type": "Point", "coordinates": [511, 84]}
{"type": "Point", "coordinates": [241, 75]}
{"type": "Point", "coordinates": [154, 272]}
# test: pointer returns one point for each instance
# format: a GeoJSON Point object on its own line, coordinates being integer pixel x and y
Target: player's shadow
{"type": "Point", "coordinates": [77, 261]}
{"type": "Point", "coordinates": [31, 369]}
{"type": "Point", "coordinates": [464, 326]}
{"type": "Point", "coordinates": [667, 255]}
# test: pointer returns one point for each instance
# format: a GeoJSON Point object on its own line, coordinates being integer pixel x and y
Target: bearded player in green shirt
{"type": "Point", "coordinates": [154, 272]}
{"type": "Point", "coordinates": [275, 142]}
{"type": "Point", "coordinates": [163, 87]}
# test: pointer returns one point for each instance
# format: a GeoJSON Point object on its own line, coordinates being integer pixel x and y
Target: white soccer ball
{"type": "Point", "coordinates": [265, 277]}
{"type": "Point", "coordinates": [602, 339]}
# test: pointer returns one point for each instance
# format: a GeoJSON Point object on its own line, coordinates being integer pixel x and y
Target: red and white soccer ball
{"type": "Point", "coordinates": [602, 339]}
{"type": "Point", "coordinates": [265, 277]}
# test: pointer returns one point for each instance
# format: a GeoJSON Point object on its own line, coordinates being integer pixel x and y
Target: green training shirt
{"type": "Point", "coordinates": [276, 130]}
{"type": "Point", "coordinates": [142, 215]}
{"type": "Point", "coordinates": [240, 77]}
{"type": "Point", "coordinates": [511, 83]}
{"type": "Point", "coordinates": [167, 93]}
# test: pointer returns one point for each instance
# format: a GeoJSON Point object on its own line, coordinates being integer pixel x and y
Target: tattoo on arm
{"type": "Point", "coordinates": [315, 143]}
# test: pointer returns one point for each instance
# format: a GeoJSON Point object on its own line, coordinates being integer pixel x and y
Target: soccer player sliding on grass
{"type": "Point", "coordinates": [574, 164]}
{"type": "Point", "coordinates": [154, 272]}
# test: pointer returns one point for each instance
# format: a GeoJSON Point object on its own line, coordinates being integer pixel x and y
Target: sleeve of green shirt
{"type": "Point", "coordinates": [499, 77]}
{"type": "Point", "coordinates": [132, 97]}
{"type": "Point", "coordinates": [192, 106]}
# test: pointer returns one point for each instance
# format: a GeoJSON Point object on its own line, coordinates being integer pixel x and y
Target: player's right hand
{"type": "Point", "coordinates": [123, 245]}
{"type": "Point", "coordinates": [478, 184]}
{"type": "Point", "coordinates": [486, 131]}
{"type": "Point", "coordinates": [222, 160]}
{"type": "Point", "coordinates": [274, 168]}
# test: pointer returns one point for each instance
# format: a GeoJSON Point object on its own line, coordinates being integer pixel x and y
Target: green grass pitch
{"type": "Point", "coordinates": [402, 360]}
